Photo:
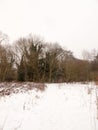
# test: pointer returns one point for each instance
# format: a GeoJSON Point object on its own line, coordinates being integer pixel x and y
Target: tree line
{"type": "Point", "coordinates": [32, 59]}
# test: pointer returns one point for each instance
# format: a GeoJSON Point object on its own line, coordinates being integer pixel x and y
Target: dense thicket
{"type": "Point", "coordinates": [32, 59]}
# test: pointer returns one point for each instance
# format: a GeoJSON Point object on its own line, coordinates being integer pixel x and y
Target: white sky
{"type": "Point", "coordinates": [72, 23]}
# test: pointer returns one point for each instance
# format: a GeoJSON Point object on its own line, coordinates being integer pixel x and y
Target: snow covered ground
{"type": "Point", "coordinates": [59, 107]}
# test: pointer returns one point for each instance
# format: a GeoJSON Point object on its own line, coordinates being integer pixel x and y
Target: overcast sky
{"type": "Point", "coordinates": [72, 23]}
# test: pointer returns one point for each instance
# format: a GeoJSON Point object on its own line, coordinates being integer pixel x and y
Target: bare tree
{"type": "Point", "coordinates": [28, 52]}
{"type": "Point", "coordinates": [6, 63]}
{"type": "Point", "coordinates": [53, 52]}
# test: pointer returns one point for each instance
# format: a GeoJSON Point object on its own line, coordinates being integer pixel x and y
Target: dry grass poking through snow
{"type": "Point", "coordinates": [9, 88]}
{"type": "Point", "coordinates": [90, 89]}
{"type": "Point", "coordinates": [96, 93]}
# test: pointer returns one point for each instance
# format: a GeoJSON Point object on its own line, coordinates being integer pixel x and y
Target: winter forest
{"type": "Point", "coordinates": [33, 59]}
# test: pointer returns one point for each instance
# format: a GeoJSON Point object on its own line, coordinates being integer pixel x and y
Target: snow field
{"type": "Point", "coordinates": [59, 107]}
